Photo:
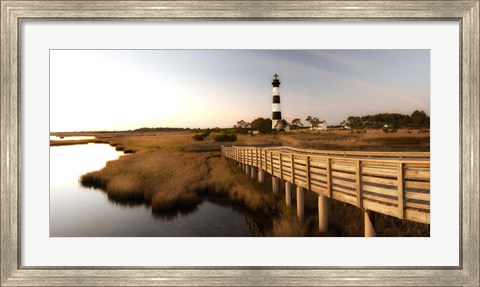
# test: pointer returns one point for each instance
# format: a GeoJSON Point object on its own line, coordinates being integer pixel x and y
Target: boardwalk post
{"type": "Point", "coordinates": [275, 184]}
{"type": "Point", "coordinates": [370, 224]}
{"type": "Point", "coordinates": [322, 213]}
{"type": "Point", "coordinates": [300, 203]}
{"type": "Point", "coordinates": [288, 193]}
{"type": "Point", "coordinates": [253, 172]}
{"type": "Point", "coordinates": [261, 175]}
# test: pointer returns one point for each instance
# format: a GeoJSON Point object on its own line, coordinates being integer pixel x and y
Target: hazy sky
{"type": "Point", "coordinates": [128, 89]}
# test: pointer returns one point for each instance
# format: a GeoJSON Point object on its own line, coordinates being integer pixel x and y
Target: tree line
{"type": "Point", "coordinates": [417, 120]}
{"type": "Point", "coordinates": [263, 125]}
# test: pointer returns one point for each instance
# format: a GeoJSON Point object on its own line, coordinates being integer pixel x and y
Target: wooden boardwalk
{"type": "Point", "coordinates": [391, 183]}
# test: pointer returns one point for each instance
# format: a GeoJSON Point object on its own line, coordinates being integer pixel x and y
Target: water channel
{"type": "Point", "coordinates": [77, 211]}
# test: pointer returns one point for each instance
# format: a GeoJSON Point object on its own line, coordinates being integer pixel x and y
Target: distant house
{"type": "Point", "coordinates": [386, 126]}
{"type": "Point", "coordinates": [322, 126]}
{"type": "Point", "coordinates": [345, 127]}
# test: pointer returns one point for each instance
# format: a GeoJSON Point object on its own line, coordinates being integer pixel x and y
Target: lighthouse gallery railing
{"type": "Point", "coordinates": [391, 183]}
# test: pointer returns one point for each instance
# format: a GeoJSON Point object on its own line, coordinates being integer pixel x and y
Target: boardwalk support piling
{"type": "Point", "coordinates": [253, 172]}
{"type": "Point", "coordinates": [261, 175]}
{"type": "Point", "coordinates": [322, 213]}
{"type": "Point", "coordinates": [275, 184]}
{"type": "Point", "coordinates": [288, 193]}
{"type": "Point", "coordinates": [300, 203]}
{"type": "Point", "coordinates": [370, 224]}
{"type": "Point", "coordinates": [247, 169]}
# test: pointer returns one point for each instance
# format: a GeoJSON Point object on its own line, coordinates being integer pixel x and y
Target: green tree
{"type": "Point", "coordinates": [242, 125]}
{"type": "Point", "coordinates": [314, 122]}
{"type": "Point", "coordinates": [284, 124]}
{"type": "Point", "coordinates": [419, 119]}
{"type": "Point", "coordinates": [262, 125]}
{"type": "Point", "coordinates": [296, 123]}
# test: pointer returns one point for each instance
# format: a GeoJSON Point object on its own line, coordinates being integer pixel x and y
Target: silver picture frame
{"type": "Point", "coordinates": [465, 12]}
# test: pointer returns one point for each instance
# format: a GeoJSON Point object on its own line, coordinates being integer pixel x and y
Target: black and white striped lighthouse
{"type": "Point", "coordinates": [276, 113]}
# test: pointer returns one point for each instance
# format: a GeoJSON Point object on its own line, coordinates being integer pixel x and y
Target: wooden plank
{"type": "Point", "coordinates": [417, 216]}
{"type": "Point", "coordinates": [329, 178]}
{"type": "Point", "coordinates": [280, 165]}
{"type": "Point", "coordinates": [358, 184]}
{"type": "Point", "coordinates": [343, 167]}
{"type": "Point", "coordinates": [292, 170]}
{"type": "Point", "coordinates": [300, 161]}
{"type": "Point", "coordinates": [316, 183]}
{"type": "Point", "coordinates": [381, 199]}
{"type": "Point", "coordinates": [300, 172]}
{"type": "Point", "coordinates": [417, 196]}
{"type": "Point", "coordinates": [301, 183]}
{"type": "Point", "coordinates": [380, 208]}
{"type": "Point", "coordinates": [351, 184]}
{"type": "Point", "coordinates": [379, 171]}
{"type": "Point", "coordinates": [365, 153]}
{"type": "Point", "coordinates": [307, 169]}
{"type": "Point", "coordinates": [320, 189]}
{"type": "Point", "coordinates": [316, 162]}
{"type": "Point", "coordinates": [379, 180]}
{"type": "Point", "coordinates": [266, 160]}
{"type": "Point", "coordinates": [380, 190]}
{"type": "Point", "coordinates": [345, 175]}
{"type": "Point", "coordinates": [401, 194]}
{"type": "Point", "coordinates": [417, 184]}
{"type": "Point", "coordinates": [417, 173]}
{"type": "Point", "coordinates": [318, 170]}
{"type": "Point", "coordinates": [260, 164]}
{"type": "Point", "coordinates": [271, 163]}
{"type": "Point", "coordinates": [345, 190]}
{"type": "Point", "coordinates": [344, 197]}
{"type": "Point", "coordinates": [314, 176]}
{"type": "Point", "coordinates": [417, 205]}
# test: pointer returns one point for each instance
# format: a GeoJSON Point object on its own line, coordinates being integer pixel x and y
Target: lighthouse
{"type": "Point", "coordinates": [276, 113]}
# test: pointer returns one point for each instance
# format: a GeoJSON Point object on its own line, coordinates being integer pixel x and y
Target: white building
{"type": "Point", "coordinates": [322, 126]}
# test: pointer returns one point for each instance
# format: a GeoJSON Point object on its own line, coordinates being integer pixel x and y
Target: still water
{"type": "Point", "coordinates": [78, 211]}
{"type": "Point", "coordinates": [71, 138]}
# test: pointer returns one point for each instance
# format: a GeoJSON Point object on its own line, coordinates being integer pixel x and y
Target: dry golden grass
{"type": "Point", "coordinates": [172, 172]}
{"type": "Point", "coordinates": [167, 177]}
{"type": "Point", "coordinates": [372, 140]}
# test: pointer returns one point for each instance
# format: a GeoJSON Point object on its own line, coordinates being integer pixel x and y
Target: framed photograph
{"type": "Point", "coordinates": [239, 143]}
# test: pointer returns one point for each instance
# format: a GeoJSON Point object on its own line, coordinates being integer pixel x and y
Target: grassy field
{"type": "Point", "coordinates": [173, 172]}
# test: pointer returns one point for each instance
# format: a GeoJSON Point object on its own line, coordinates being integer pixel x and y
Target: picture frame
{"type": "Point", "coordinates": [13, 12]}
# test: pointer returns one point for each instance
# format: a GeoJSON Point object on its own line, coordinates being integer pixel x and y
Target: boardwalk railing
{"type": "Point", "coordinates": [391, 183]}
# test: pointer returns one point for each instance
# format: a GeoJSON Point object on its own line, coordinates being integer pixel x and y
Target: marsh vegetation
{"type": "Point", "coordinates": [173, 171]}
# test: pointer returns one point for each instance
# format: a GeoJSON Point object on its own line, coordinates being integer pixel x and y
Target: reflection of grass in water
{"type": "Point", "coordinates": [172, 173]}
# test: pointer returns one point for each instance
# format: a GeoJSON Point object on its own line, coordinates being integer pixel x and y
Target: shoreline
{"type": "Point", "coordinates": [170, 171]}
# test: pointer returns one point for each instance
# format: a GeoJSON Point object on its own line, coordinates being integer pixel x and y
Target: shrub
{"type": "Point", "coordinates": [226, 137]}
{"type": "Point", "coordinates": [198, 137]}
{"type": "Point", "coordinates": [202, 136]}
{"type": "Point", "coordinates": [385, 130]}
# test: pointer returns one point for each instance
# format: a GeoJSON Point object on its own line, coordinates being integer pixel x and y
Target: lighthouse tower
{"type": "Point", "coordinates": [276, 113]}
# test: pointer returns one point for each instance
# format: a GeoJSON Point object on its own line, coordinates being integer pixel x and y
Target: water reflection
{"type": "Point", "coordinates": [71, 138]}
{"type": "Point", "coordinates": [83, 212]}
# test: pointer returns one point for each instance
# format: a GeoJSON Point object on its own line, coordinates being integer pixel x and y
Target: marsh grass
{"type": "Point", "coordinates": [173, 173]}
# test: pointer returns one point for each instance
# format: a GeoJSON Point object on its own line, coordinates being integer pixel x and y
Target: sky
{"type": "Point", "coordinates": [93, 90]}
